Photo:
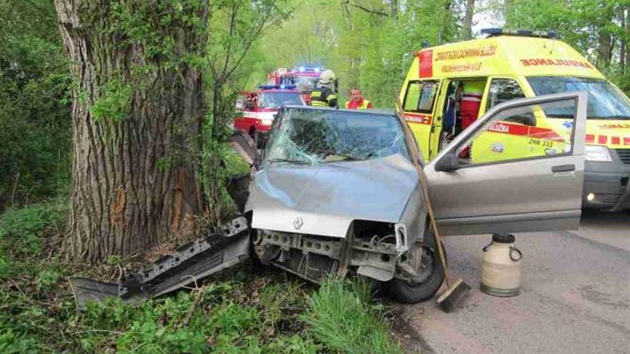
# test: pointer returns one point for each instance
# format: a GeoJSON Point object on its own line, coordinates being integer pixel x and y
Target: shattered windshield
{"type": "Point", "coordinates": [310, 137]}
{"type": "Point", "coordinates": [277, 99]}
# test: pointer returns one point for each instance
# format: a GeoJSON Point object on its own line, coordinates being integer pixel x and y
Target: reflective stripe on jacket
{"type": "Point", "coordinates": [323, 97]}
{"type": "Point", "coordinates": [364, 104]}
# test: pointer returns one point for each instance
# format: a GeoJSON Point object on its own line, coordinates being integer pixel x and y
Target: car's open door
{"type": "Point", "coordinates": [508, 172]}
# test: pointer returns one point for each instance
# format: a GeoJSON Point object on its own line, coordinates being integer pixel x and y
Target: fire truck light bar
{"type": "Point", "coordinates": [277, 87]}
{"type": "Point", "coordinates": [303, 69]}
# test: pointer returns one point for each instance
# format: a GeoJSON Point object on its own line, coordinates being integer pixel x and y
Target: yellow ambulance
{"type": "Point", "coordinates": [509, 65]}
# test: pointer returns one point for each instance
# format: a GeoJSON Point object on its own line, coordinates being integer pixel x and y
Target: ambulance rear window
{"type": "Point", "coordinates": [604, 100]}
{"type": "Point", "coordinates": [420, 96]}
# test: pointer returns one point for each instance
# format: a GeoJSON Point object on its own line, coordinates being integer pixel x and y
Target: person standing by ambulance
{"type": "Point", "coordinates": [357, 101]}
{"type": "Point", "coordinates": [470, 102]}
{"type": "Point", "coordinates": [325, 95]}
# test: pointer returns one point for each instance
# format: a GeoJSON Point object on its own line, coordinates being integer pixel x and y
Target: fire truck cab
{"type": "Point", "coordinates": [303, 77]}
{"type": "Point", "coordinates": [256, 110]}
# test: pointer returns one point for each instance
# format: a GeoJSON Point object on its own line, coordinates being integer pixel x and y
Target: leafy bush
{"type": "Point", "coordinates": [23, 230]}
{"type": "Point", "coordinates": [23, 234]}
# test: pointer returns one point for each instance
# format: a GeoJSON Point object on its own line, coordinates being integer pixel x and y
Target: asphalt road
{"type": "Point", "coordinates": [575, 296]}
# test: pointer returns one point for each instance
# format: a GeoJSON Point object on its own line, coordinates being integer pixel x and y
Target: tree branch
{"type": "Point", "coordinates": [375, 12]}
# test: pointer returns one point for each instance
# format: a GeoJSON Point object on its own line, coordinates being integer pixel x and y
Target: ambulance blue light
{"type": "Point", "coordinates": [491, 32]}
{"type": "Point", "coordinates": [301, 69]}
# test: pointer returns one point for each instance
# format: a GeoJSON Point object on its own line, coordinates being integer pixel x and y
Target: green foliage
{"type": "Point", "coordinates": [341, 316]}
{"type": "Point", "coordinates": [114, 103]}
{"type": "Point", "coordinates": [35, 125]}
{"type": "Point", "coordinates": [594, 28]}
{"type": "Point", "coordinates": [368, 45]}
{"type": "Point", "coordinates": [23, 231]}
{"type": "Point", "coordinates": [235, 27]}
{"type": "Point", "coordinates": [236, 314]}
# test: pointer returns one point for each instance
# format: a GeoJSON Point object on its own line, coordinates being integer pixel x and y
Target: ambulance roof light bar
{"type": "Point", "coordinates": [495, 32]}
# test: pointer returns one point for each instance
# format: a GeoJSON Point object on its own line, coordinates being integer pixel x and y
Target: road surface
{"type": "Point", "coordinates": [575, 296]}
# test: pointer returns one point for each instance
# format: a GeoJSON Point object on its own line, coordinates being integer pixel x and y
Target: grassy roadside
{"type": "Point", "coordinates": [239, 313]}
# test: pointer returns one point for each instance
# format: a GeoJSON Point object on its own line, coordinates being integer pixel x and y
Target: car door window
{"type": "Point", "coordinates": [532, 184]}
{"type": "Point", "coordinates": [420, 96]}
{"type": "Point", "coordinates": [502, 90]}
{"type": "Point", "coordinates": [509, 136]}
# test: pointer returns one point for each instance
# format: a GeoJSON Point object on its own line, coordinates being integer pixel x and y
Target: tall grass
{"type": "Point", "coordinates": [239, 313]}
{"type": "Point", "coordinates": [341, 315]}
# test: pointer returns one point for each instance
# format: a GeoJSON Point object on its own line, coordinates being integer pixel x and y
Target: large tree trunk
{"type": "Point", "coordinates": [468, 17]}
{"type": "Point", "coordinates": [393, 5]}
{"type": "Point", "coordinates": [604, 50]}
{"type": "Point", "coordinates": [136, 124]}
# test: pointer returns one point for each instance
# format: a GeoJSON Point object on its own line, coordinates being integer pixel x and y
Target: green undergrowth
{"type": "Point", "coordinates": [236, 313]}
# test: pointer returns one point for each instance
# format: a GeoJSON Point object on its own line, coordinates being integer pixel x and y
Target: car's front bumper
{"type": "Point", "coordinates": [608, 185]}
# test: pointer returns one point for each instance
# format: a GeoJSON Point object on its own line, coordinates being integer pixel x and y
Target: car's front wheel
{"type": "Point", "coordinates": [429, 274]}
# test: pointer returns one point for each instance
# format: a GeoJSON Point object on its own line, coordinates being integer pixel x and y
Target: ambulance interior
{"type": "Point", "coordinates": [500, 90]}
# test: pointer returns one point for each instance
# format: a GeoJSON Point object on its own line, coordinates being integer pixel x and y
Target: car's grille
{"type": "Point", "coordinates": [624, 155]}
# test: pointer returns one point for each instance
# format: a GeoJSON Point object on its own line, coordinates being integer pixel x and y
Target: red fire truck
{"type": "Point", "coordinates": [255, 110]}
{"type": "Point", "coordinates": [304, 78]}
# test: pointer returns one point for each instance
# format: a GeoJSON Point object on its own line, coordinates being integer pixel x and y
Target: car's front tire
{"type": "Point", "coordinates": [413, 292]}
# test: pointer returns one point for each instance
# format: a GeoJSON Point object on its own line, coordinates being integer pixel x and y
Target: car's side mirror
{"type": "Point", "coordinates": [249, 105]}
{"type": "Point", "coordinates": [448, 163]}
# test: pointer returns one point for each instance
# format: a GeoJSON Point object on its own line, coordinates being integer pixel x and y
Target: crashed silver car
{"type": "Point", "coordinates": [336, 192]}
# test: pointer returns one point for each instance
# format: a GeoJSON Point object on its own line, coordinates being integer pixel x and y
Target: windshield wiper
{"type": "Point", "coordinates": [279, 159]}
{"type": "Point", "coordinates": [342, 157]}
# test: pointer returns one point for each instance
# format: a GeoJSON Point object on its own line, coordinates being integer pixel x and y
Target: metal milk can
{"type": "Point", "coordinates": [501, 267]}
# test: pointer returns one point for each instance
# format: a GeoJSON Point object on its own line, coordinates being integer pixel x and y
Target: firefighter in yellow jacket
{"type": "Point", "coordinates": [325, 95]}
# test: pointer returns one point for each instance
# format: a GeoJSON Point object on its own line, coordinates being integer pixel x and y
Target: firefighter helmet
{"type": "Point", "coordinates": [327, 77]}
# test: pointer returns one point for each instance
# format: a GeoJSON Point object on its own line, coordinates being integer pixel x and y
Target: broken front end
{"type": "Point", "coordinates": [336, 193]}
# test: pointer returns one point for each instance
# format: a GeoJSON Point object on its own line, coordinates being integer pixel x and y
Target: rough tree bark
{"type": "Point", "coordinates": [134, 176]}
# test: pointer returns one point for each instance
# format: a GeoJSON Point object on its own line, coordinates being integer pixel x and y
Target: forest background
{"type": "Point", "coordinates": [369, 43]}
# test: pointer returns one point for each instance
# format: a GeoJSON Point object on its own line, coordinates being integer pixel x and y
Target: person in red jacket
{"type": "Point", "coordinates": [357, 101]}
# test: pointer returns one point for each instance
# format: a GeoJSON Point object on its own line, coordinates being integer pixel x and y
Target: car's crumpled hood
{"type": "Point", "coordinates": [324, 199]}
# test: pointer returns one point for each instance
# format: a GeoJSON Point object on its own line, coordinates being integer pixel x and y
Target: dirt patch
{"type": "Point", "coordinates": [409, 338]}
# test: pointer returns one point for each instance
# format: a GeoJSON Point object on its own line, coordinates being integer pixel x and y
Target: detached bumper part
{"type": "Point", "coordinates": [190, 263]}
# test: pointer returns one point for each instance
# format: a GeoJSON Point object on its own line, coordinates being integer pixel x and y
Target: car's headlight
{"type": "Point", "coordinates": [267, 121]}
{"type": "Point", "coordinates": [597, 153]}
